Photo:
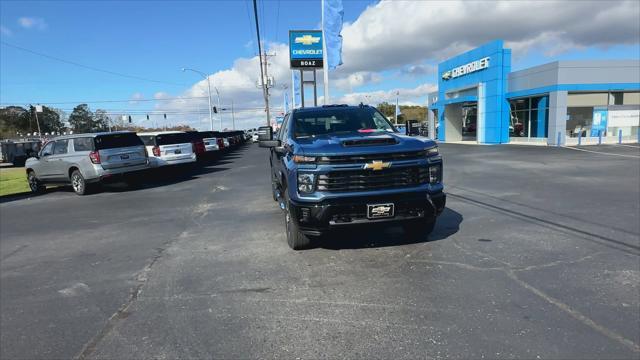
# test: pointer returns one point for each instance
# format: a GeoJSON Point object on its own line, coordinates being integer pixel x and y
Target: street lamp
{"type": "Point", "coordinates": [219, 108]}
{"type": "Point", "coordinates": [209, 90]}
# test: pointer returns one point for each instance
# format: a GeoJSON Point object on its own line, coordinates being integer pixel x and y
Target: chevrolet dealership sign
{"type": "Point", "coordinates": [466, 69]}
{"type": "Point", "coordinates": [305, 49]}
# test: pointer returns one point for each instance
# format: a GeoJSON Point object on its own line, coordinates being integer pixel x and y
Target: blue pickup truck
{"type": "Point", "coordinates": [337, 165]}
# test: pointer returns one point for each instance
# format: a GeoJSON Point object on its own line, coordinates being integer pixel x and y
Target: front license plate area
{"type": "Point", "coordinates": [380, 211]}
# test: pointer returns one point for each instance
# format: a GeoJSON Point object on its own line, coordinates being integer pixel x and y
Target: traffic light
{"type": "Point", "coordinates": [215, 110]}
{"type": "Point", "coordinates": [129, 119]}
{"type": "Point", "coordinates": [165, 116]}
{"type": "Point", "coordinates": [147, 116]}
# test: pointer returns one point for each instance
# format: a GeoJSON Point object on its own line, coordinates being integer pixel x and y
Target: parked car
{"type": "Point", "coordinates": [338, 166]}
{"type": "Point", "coordinates": [197, 140]}
{"type": "Point", "coordinates": [212, 142]}
{"type": "Point", "coordinates": [169, 148]}
{"type": "Point", "coordinates": [84, 160]}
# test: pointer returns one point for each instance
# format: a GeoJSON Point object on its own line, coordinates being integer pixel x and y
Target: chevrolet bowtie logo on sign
{"type": "Point", "coordinates": [305, 49]}
{"type": "Point", "coordinates": [377, 165]}
{"type": "Point", "coordinates": [307, 40]}
{"type": "Point", "coordinates": [446, 75]}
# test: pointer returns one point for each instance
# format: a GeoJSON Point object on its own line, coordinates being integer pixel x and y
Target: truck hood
{"type": "Point", "coordinates": [361, 143]}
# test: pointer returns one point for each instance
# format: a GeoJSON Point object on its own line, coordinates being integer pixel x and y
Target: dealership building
{"type": "Point", "coordinates": [480, 99]}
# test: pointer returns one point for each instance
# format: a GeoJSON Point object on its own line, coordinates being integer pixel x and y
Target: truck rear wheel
{"type": "Point", "coordinates": [419, 229]}
{"type": "Point", "coordinates": [78, 183]}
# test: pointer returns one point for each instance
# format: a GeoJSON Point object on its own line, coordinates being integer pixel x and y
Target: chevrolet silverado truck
{"type": "Point", "coordinates": [337, 165]}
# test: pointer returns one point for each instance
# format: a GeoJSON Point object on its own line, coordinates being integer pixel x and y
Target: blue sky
{"type": "Point", "coordinates": [155, 39]}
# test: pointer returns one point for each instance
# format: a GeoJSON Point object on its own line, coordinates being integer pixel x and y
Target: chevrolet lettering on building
{"type": "Point", "coordinates": [466, 69]}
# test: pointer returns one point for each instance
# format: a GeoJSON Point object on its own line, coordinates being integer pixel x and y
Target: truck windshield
{"type": "Point", "coordinates": [339, 120]}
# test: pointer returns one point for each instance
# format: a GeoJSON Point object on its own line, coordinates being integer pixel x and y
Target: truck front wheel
{"type": "Point", "coordinates": [419, 229]}
{"type": "Point", "coordinates": [296, 239]}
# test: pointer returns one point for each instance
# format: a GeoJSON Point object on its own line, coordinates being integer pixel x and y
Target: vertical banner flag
{"type": "Point", "coordinates": [296, 88]}
{"type": "Point", "coordinates": [397, 107]}
{"type": "Point", "coordinates": [333, 13]}
{"type": "Point", "coordinates": [286, 101]}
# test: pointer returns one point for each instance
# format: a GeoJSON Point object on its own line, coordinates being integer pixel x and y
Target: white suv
{"type": "Point", "coordinates": [168, 148]}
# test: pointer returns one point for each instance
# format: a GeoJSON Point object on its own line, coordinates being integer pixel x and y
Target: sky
{"type": "Point", "coordinates": [126, 56]}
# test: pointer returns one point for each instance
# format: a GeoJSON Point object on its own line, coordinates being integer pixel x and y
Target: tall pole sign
{"type": "Point", "coordinates": [306, 54]}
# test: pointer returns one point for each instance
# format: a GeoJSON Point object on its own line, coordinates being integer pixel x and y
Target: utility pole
{"type": "Point", "coordinates": [265, 84]}
{"type": "Point", "coordinates": [38, 108]}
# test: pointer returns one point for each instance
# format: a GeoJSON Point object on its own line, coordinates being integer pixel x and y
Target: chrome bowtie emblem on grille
{"type": "Point", "coordinates": [380, 210]}
{"type": "Point", "coordinates": [377, 165]}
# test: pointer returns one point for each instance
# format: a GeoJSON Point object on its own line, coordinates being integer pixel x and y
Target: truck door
{"type": "Point", "coordinates": [277, 156]}
{"type": "Point", "coordinates": [57, 164]}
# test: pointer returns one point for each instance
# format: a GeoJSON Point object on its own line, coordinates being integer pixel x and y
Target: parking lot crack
{"type": "Point", "coordinates": [511, 272]}
{"type": "Point", "coordinates": [575, 313]}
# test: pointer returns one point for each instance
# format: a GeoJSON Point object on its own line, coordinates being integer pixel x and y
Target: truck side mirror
{"type": "Point", "coordinates": [265, 133]}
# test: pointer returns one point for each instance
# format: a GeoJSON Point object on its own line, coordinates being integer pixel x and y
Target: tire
{"type": "Point", "coordinates": [273, 191]}
{"type": "Point", "coordinates": [296, 239]}
{"type": "Point", "coordinates": [78, 183]}
{"type": "Point", "coordinates": [420, 229]}
{"type": "Point", "coordinates": [35, 185]}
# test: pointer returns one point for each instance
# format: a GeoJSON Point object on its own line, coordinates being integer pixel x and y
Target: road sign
{"type": "Point", "coordinates": [305, 49]}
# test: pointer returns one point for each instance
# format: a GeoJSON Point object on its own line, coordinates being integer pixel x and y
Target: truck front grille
{"type": "Point", "coordinates": [366, 180]}
{"type": "Point", "coordinates": [348, 159]}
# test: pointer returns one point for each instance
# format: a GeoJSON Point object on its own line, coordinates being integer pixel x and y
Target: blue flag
{"type": "Point", "coordinates": [286, 101]}
{"type": "Point", "coordinates": [296, 88]}
{"type": "Point", "coordinates": [332, 14]}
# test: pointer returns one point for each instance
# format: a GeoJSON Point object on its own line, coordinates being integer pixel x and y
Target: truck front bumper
{"type": "Point", "coordinates": [317, 218]}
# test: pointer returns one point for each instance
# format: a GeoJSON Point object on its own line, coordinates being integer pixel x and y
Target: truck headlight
{"type": "Point", "coordinates": [432, 151]}
{"type": "Point", "coordinates": [435, 173]}
{"type": "Point", "coordinates": [306, 183]}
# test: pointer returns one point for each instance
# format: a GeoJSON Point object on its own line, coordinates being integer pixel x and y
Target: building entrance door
{"type": "Point", "coordinates": [469, 121]}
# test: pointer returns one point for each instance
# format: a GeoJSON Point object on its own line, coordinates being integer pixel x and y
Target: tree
{"type": "Point", "coordinates": [81, 119]}
{"type": "Point", "coordinates": [408, 112]}
{"type": "Point", "coordinates": [49, 120]}
{"type": "Point", "coordinates": [14, 120]}
{"type": "Point", "coordinates": [101, 120]}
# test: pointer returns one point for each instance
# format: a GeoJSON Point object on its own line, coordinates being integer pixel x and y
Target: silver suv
{"type": "Point", "coordinates": [85, 160]}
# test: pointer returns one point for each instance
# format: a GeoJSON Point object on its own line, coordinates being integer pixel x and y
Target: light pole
{"type": "Point", "coordinates": [219, 108]}
{"type": "Point", "coordinates": [209, 91]}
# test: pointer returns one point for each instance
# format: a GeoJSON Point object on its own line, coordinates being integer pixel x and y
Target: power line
{"type": "Point", "coordinates": [89, 67]}
{"type": "Point", "coordinates": [102, 101]}
{"type": "Point", "coordinates": [262, 77]}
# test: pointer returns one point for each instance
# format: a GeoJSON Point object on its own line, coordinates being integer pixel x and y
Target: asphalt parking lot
{"type": "Point", "coordinates": [536, 255]}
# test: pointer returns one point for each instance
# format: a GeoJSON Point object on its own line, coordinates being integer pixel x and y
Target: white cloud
{"type": "Point", "coordinates": [5, 31]}
{"type": "Point", "coordinates": [410, 37]}
{"type": "Point", "coordinates": [161, 95]}
{"type": "Point", "coordinates": [135, 97]}
{"type": "Point", "coordinates": [434, 30]}
{"type": "Point", "coordinates": [32, 23]}
{"type": "Point", "coordinates": [406, 96]}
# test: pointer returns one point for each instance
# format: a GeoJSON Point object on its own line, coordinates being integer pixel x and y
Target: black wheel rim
{"type": "Point", "coordinates": [33, 183]}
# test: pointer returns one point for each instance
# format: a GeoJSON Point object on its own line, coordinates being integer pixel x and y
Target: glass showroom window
{"type": "Point", "coordinates": [580, 109]}
{"type": "Point", "coordinates": [529, 117]}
